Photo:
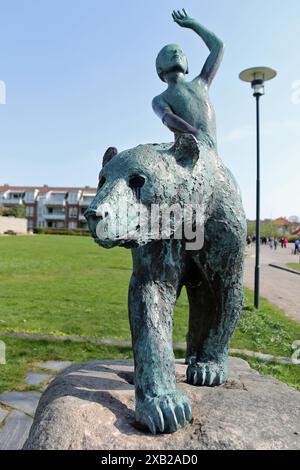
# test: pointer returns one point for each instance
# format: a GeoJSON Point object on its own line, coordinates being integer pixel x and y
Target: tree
{"type": "Point", "coordinates": [14, 211]}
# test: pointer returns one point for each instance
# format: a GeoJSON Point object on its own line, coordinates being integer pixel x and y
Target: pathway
{"type": "Point", "coordinates": [279, 287]}
{"type": "Point", "coordinates": [17, 409]}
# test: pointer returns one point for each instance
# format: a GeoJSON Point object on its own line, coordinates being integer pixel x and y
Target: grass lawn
{"type": "Point", "coordinates": [21, 354]}
{"type": "Point", "coordinates": [286, 373]}
{"type": "Point", "coordinates": [294, 266]}
{"type": "Point", "coordinates": [68, 285]}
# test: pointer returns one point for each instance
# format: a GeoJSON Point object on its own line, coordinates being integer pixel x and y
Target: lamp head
{"type": "Point", "coordinates": [257, 76]}
{"type": "Point", "coordinates": [258, 87]}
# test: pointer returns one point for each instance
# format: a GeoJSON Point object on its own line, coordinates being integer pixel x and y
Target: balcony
{"type": "Point", "coordinates": [54, 201]}
{"type": "Point", "coordinates": [28, 200]}
{"type": "Point", "coordinates": [86, 200]}
{"type": "Point", "coordinates": [11, 202]}
{"type": "Point", "coordinates": [55, 216]}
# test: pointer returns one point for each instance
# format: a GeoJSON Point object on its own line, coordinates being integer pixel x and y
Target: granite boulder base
{"type": "Point", "coordinates": [91, 406]}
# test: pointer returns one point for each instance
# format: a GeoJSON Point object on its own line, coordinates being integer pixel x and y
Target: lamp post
{"type": "Point", "coordinates": [257, 76]}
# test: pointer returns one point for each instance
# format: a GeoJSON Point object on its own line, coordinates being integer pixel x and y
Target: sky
{"type": "Point", "coordinates": [80, 77]}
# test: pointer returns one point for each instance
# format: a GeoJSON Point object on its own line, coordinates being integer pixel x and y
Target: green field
{"type": "Point", "coordinates": [295, 266]}
{"type": "Point", "coordinates": [68, 285]}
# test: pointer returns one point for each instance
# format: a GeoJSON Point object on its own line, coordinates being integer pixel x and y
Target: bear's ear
{"type": "Point", "coordinates": [186, 150]}
{"type": "Point", "coordinates": [110, 153]}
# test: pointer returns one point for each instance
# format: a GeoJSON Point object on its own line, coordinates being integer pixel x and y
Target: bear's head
{"type": "Point", "coordinates": [136, 183]}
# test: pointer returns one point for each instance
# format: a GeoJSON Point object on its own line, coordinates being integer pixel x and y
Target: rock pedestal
{"type": "Point", "coordinates": [91, 406]}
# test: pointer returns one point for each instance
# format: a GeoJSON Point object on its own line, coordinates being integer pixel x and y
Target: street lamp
{"type": "Point", "coordinates": [257, 76]}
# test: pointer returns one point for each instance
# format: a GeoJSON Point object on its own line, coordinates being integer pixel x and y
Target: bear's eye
{"type": "Point", "coordinates": [136, 182]}
{"type": "Point", "coordinates": [101, 182]}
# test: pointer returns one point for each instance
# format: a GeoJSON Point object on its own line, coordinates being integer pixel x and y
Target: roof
{"type": "Point", "coordinates": [44, 189]}
{"type": "Point", "coordinates": [282, 221]}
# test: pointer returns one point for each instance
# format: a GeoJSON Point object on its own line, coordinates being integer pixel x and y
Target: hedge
{"type": "Point", "coordinates": [62, 231]}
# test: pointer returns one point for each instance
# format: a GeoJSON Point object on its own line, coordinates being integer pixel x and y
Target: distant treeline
{"type": "Point", "coordinates": [270, 229]}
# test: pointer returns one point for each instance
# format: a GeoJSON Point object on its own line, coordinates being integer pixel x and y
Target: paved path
{"type": "Point", "coordinates": [279, 287]}
{"type": "Point", "coordinates": [17, 409]}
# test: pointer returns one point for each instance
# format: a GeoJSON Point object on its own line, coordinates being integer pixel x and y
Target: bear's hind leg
{"type": "Point", "coordinates": [215, 306]}
{"type": "Point", "coordinates": [206, 367]}
{"type": "Point", "coordinates": [210, 335]}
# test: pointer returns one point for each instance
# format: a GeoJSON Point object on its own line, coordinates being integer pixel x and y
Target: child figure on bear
{"type": "Point", "coordinates": [185, 107]}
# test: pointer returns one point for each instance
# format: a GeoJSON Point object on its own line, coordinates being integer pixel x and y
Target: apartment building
{"type": "Point", "coordinates": [47, 206]}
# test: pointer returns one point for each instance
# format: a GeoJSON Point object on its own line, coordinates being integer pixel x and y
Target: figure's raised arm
{"type": "Point", "coordinates": [214, 44]}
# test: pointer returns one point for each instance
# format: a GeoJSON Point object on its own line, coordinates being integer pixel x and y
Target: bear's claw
{"type": "Point", "coordinates": [164, 413]}
{"type": "Point", "coordinates": [208, 374]}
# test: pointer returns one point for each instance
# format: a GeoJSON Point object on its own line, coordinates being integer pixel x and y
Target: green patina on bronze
{"type": "Point", "coordinates": [185, 107]}
{"type": "Point", "coordinates": [188, 172]}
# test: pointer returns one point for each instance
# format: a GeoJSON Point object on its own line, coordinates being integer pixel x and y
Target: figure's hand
{"type": "Point", "coordinates": [182, 18]}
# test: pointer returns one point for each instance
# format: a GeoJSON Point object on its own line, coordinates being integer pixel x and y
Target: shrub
{"type": "Point", "coordinates": [81, 232]}
{"type": "Point", "coordinates": [14, 211]}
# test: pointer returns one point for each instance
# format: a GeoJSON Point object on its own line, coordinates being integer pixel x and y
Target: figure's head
{"type": "Point", "coordinates": [171, 58]}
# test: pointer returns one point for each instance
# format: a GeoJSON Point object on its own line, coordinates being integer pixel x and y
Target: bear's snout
{"type": "Point", "coordinates": [101, 226]}
{"type": "Point", "coordinates": [92, 219]}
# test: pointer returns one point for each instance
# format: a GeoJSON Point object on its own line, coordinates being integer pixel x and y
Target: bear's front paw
{"type": "Point", "coordinates": [164, 413]}
{"type": "Point", "coordinates": [208, 374]}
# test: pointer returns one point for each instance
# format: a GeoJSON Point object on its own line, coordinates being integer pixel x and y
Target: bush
{"type": "Point", "coordinates": [81, 232]}
{"type": "Point", "coordinates": [14, 211]}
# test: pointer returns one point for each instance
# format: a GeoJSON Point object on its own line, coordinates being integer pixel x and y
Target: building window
{"type": "Point", "coordinates": [29, 211]}
{"type": "Point", "coordinates": [72, 224]}
{"type": "Point", "coordinates": [73, 212]}
{"type": "Point", "coordinates": [72, 198]}
{"type": "Point", "coordinates": [29, 197]}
